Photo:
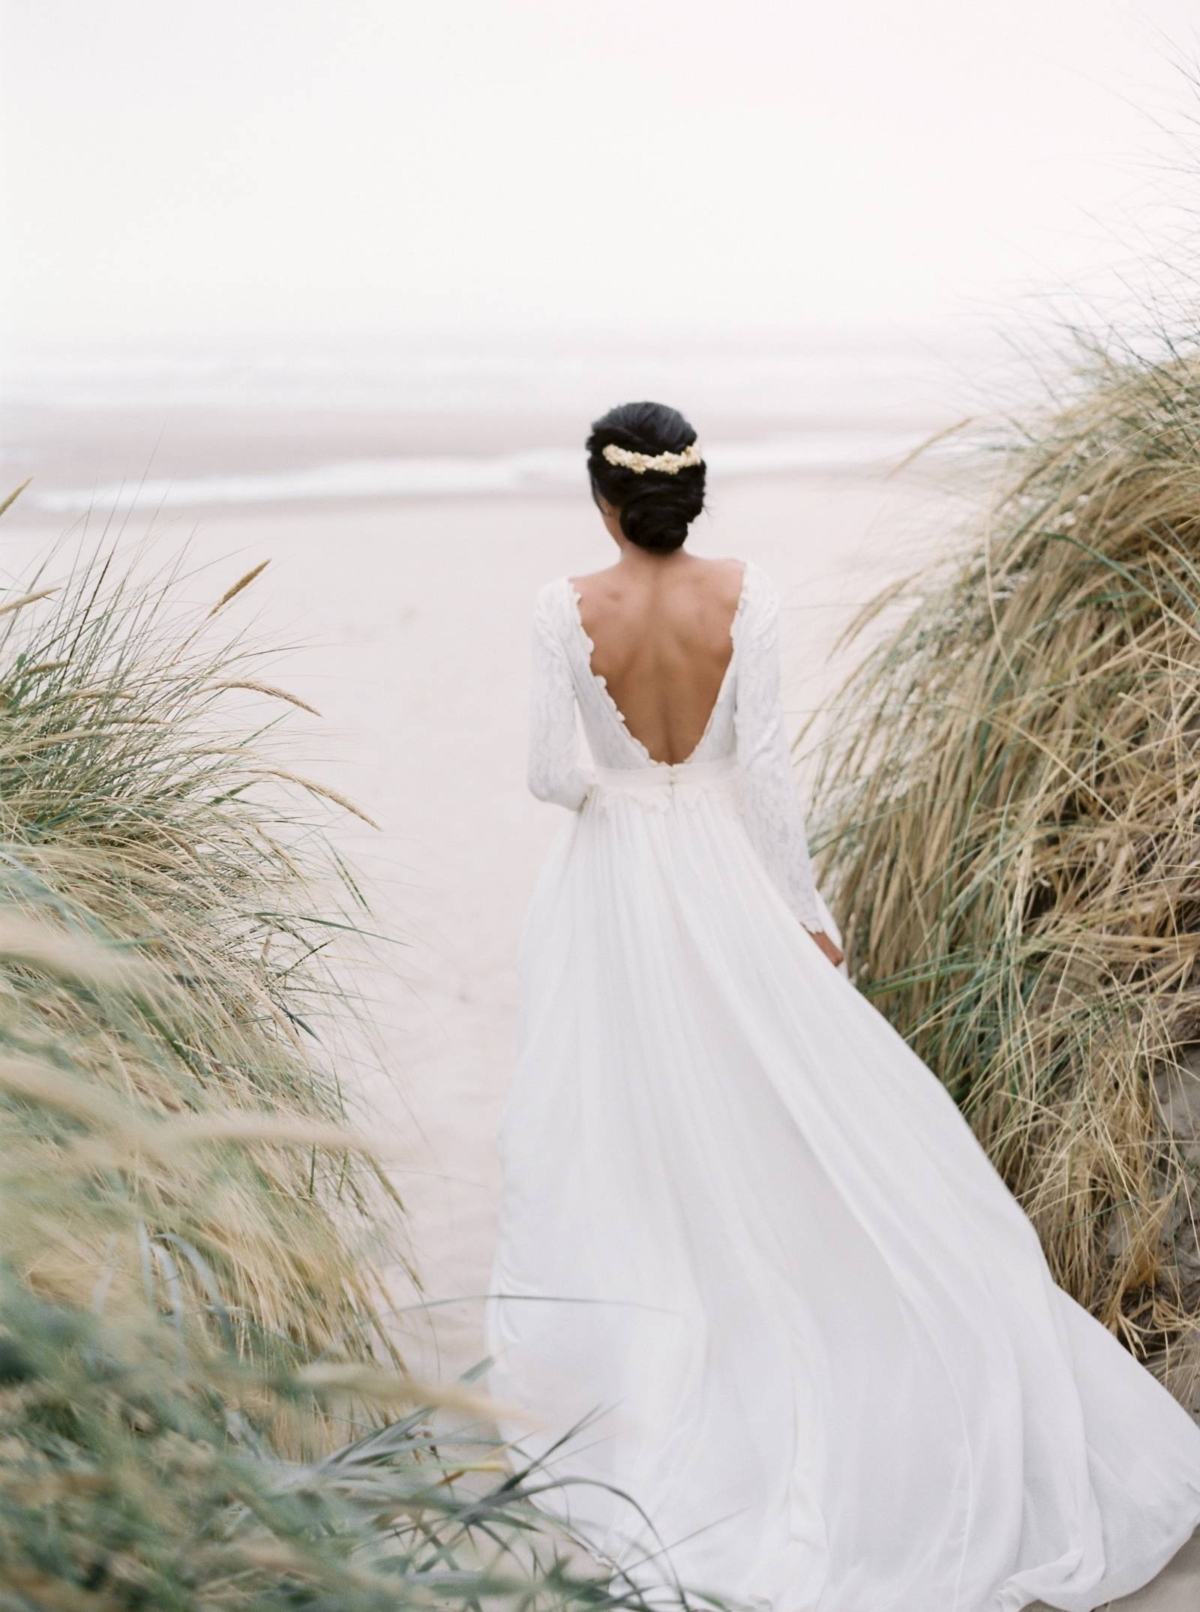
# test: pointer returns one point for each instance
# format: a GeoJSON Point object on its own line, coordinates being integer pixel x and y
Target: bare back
{"type": "Point", "coordinates": [662, 635]}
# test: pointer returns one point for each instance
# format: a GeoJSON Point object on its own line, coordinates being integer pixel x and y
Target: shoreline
{"type": "Point", "coordinates": [338, 462]}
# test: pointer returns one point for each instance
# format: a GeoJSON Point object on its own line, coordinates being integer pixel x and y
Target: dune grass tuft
{"type": "Point", "coordinates": [157, 1449]}
{"type": "Point", "coordinates": [1010, 805]}
{"type": "Point", "coordinates": [201, 1402]}
{"type": "Point", "coordinates": [145, 837]}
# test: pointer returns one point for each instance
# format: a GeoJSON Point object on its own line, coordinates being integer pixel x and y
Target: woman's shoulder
{"type": "Point", "coordinates": [758, 586]}
{"type": "Point", "coordinates": [758, 605]}
{"type": "Point", "coordinates": [741, 571]}
{"type": "Point", "coordinates": [555, 591]}
{"type": "Point", "coordinates": [553, 606]}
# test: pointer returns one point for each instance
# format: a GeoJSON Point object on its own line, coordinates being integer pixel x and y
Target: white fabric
{"type": "Point", "coordinates": [748, 1238]}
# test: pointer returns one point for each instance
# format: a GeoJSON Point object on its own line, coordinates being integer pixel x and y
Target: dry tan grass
{"type": "Point", "coordinates": [197, 1384]}
{"type": "Point", "coordinates": [1010, 804]}
{"type": "Point", "coordinates": [171, 1006]}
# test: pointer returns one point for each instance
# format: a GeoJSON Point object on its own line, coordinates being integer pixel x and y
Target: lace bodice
{"type": "Point", "coordinates": [746, 722]}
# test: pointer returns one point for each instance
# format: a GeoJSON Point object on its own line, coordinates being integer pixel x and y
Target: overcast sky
{"type": "Point", "coordinates": [247, 166]}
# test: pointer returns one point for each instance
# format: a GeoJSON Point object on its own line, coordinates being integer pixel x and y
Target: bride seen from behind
{"type": "Point", "coordinates": [751, 1256]}
{"type": "Point", "coordinates": [660, 620]}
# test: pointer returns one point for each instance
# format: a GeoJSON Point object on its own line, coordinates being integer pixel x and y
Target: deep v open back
{"type": "Point", "coordinates": [744, 733]}
{"type": "Point", "coordinates": [721, 706]}
{"type": "Point", "coordinates": [609, 738]}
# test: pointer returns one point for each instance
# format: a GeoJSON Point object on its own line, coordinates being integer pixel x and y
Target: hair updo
{"type": "Point", "coordinates": [656, 508]}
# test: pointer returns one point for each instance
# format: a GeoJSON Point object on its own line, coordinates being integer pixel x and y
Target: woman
{"type": "Point", "coordinates": [746, 1236]}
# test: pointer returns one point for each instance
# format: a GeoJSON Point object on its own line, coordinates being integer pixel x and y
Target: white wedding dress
{"type": "Point", "coordinates": [749, 1241]}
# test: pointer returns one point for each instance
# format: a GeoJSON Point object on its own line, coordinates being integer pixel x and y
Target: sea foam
{"type": "Point", "coordinates": [530, 470]}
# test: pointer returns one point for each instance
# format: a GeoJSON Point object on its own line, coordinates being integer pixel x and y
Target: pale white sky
{"type": "Point", "coordinates": [268, 166]}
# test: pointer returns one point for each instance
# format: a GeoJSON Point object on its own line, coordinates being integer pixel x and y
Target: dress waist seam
{"type": "Point", "coordinates": [666, 774]}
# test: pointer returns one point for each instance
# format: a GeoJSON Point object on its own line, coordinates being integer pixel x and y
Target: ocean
{"type": "Point", "coordinates": [190, 425]}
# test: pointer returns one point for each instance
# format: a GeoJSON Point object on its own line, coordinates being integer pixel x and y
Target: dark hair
{"type": "Point", "coordinates": [656, 508]}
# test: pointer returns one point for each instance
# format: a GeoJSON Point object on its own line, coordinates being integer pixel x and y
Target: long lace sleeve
{"type": "Point", "coordinates": [770, 802]}
{"type": "Point", "coordinates": [553, 772]}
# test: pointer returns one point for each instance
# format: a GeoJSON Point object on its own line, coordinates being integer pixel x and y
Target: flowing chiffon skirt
{"type": "Point", "coordinates": [749, 1241]}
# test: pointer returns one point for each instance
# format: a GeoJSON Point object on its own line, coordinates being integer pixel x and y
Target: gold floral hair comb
{"type": "Point", "coordinates": [670, 463]}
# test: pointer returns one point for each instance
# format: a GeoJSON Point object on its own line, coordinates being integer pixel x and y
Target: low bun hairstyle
{"type": "Point", "coordinates": [655, 508]}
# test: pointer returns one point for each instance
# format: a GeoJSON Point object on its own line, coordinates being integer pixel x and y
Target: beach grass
{"type": "Point", "coordinates": [203, 1401]}
{"type": "Point", "coordinates": [139, 812]}
{"type": "Point", "coordinates": [154, 1452]}
{"type": "Point", "coordinates": [1009, 811]}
